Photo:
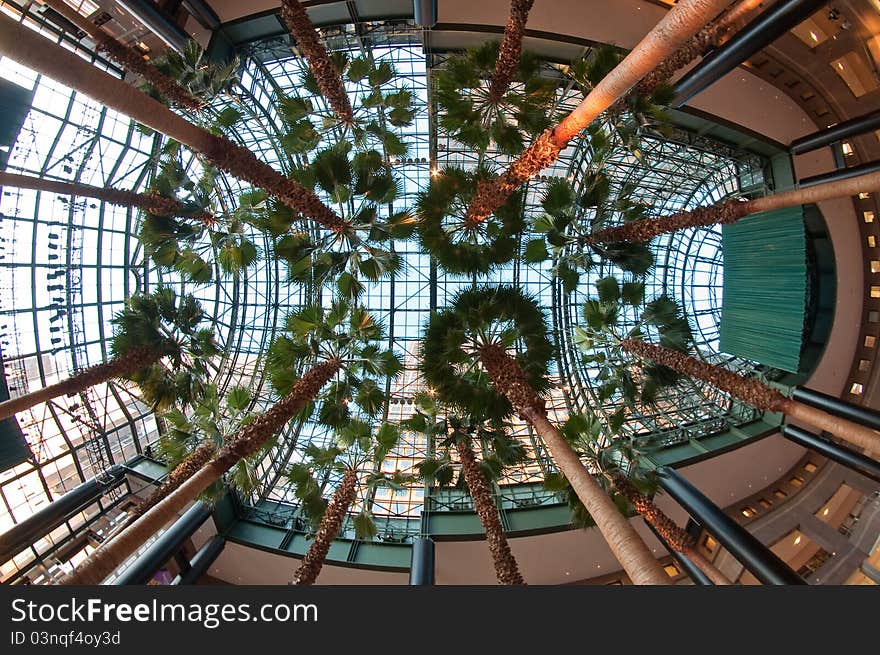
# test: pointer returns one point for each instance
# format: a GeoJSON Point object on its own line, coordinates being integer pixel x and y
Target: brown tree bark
{"type": "Point", "coordinates": [506, 568]}
{"type": "Point", "coordinates": [331, 522]}
{"type": "Point", "coordinates": [681, 22]}
{"type": "Point", "coordinates": [755, 393]}
{"type": "Point", "coordinates": [728, 212]}
{"type": "Point", "coordinates": [110, 555]}
{"type": "Point", "coordinates": [127, 57]}
{"type": "Point", "coordinates": [320, 63]}
{"type": "Point", "coordinates": [510, 49]}
{"type": "Point", "coordinates": [181, 473]}
{"type": "Point", "coordinates": [120, 367]}
{"type": "Point", "coordinates": [626, 544]}
{"type": "Point", "coordinates": [152, 203]}
{"type": "Point", "coordinates": [36, 52]}
{"type": "Point", "coordinates": [675, 536]}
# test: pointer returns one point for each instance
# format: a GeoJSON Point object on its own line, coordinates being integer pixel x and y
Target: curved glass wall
{"type": "Point", "coordinates": [67, 266]}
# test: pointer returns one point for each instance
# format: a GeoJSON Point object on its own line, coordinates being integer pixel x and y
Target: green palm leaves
{"type": "Point", "coordinates": [169, 325]}
{"type": "Point", "coordinates": [475, 119]}
{"type": "Point", "coordinates": [600, 339]}
{"type": "Point", "coordinates": [343, 332]}
{"type": "Point", "coordinates": [479, 317]}
{"type": "Point", "coordinates": [461, 246]}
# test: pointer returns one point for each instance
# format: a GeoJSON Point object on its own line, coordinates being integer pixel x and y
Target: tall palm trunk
{"type": "Point", "coordinates": [320, 63]}
{"type": "Point", "coordinates": [181, 473]}
{"type": "Point", "coordinates": [708, 37]}
{"type": "Point", "coordinates": [127, 57]}
{"type": "Point", "coordinates": [728, 212]}
{"type": "Point", "coordinates": [510, 49]}
{"type": "Point", "coordinates": [506, 568]}
{"type": "Point", "coordinates": [331, 522]}
{"type": "Point", "coordinates": [123, 366]}
{"type": "Point", "coordinates": [677, 538]}
{"type": "Point", "coordinates": [247, 441]}
{"type": "Point", "coordinates": [681, 22]}
{"type": "Point", "coordinates": [152, 203]}
{"type": "Point", "coordinates": [626, 544]}
{"type": "Point", "coordinates": [755, 393]}
{"type": "Point", "coordinates": [29, 49]}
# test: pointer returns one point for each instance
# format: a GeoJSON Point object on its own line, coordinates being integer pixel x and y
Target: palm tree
{"type": "Point", "coordinates": [730, 211]}
{"type": "Point", "coordinates": [676, 537]}
{"type": "Point", "coordinates": [618, 460]}
{"type": "Point", "coordinates": [460, 246]}
{"type": "Point", "coordinates": [320, 63]}
{"type": "Point", "coordinates": [360, 185]}
{"type": "Point", "coordinates": [683, 21]}
{"type": "Point", "coordinates": [709, 37]}
{"type": "Point", "coordinates": [354, 451]}
{"type": "Point", "coordinates": [157, 344]}
{"type": "Point", "coordinates": [664, 363]}
{"type": "Point", "coordinates": [478, 114]}
{"type": "Point", "coordinates": [190, 247]}
{"type": "Point", "coordinates": [129, 58]}
{"type": "Point", "coordinates": [193, 70]}
{"type": "Point", "coordinates": [510, 48]}
{"type": "Point", "coordinates": [458, 433]}
{"type": "Point", "coordinates": [248, 441]}
{"type": "Point", "coordinates": [151, 202]}
{"type": "Point", "coordinates": [754, 392]}
{"type": "Point", "coordinates": [465, 345]}
{"type": "Point", "coordinates": [191, 441]}
{"type": "Point", "coordinates": [341, 341]}
{"type": "Point", "coordinates": [566, 226]}
{"type": "Point", "coordinates": [32, 50]}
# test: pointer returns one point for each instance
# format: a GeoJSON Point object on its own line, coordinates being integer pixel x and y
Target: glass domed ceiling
{"type": "Point", "coordinates": [67, 266]}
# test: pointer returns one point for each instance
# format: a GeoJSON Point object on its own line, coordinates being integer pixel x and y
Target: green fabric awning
{"type": "Point", "coordinates": [765, 288]}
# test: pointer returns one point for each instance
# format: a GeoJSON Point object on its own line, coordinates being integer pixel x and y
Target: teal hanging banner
{"type": "Point", "coordinates": [765, 288]}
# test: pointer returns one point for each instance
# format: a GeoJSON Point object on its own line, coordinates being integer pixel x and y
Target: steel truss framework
{"type": "Point", "coordinates": [68, 266]}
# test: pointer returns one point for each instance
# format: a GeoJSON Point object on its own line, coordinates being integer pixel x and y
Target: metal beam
{"type": "Point", "coordinates": [24, 534]}
{"type": "Point", "coordinates": [829, 135]}
{"type": "Point", "coordinates": [157, 22]}
{"type": "Point", "coordinates": [203, 13]}
{"type": "Point", "coordinates": [425, 12]}
{"type": "Point", "coordinates": [421, 567]}
{"type": "Point", "coordinates": [842, 174]}
{"type": "Point", "coordinates": [761, 32]}
{"type": "Point", "coordinates": [833, 405]}
{"type": "Point", "coordinates": [851, 459]}
{"type": "Point", "coordinates": [755, 556]}
{"type": "Point", "coordinates": [144, 567]}
{"type": "Point", "coordinates": [201, 561]}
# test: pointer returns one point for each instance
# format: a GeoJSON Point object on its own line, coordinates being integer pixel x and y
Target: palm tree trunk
{"type": "Point", "coordinates": [119, 367]}
{"type": "Point", "coordinates": [127, 57]}
{"type": "Point", "coordinates": [331, 522]}
{"type": "Point", "coordinates": [152, 203]}
{"type": "Point", "coordinates": [728, 212]}
{"type": "Point", "coordinates": [320, 63]}
{"type": "Point", "coordinates": [683, 21]}
{"type": "Point", "coordinates": [626, 544]}
{"type": "Point", "coordinates": [247, 441]}
{"type": "Point", "coordinates": [708, 37]}
{"type": "Point", "coordinates": [755, 393]}
{"type": "Point", "coordinates": [510, 49]}
{"type": "Point", "coordinates": [506, 568]}
{"type": "Point", "coordinates": [678, 539]}
{"type": "Point", "coordinates": [181, 473]}
{"type": "Point", "coordinates": [29, 49]}
{"type": "Point", "coordinates": [707, 567]}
